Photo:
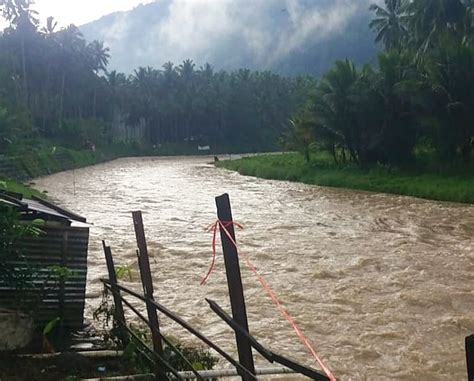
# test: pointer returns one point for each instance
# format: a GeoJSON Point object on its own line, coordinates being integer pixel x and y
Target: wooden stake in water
{"type": "Point", "coordinates": [234, 281]}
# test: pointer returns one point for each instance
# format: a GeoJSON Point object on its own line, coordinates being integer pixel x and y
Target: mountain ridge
{"type": "Point", "coordinates": [286, 36]}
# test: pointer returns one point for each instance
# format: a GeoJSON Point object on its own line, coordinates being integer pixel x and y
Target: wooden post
{"type": "Point", "coordinates": [119, 314]}
{"type": "Point", "coordinates": [234, 281]}
{"type": "Point", "coordinates": [147, 282]}
{"type": "Point", "coordinates": [470, 357]}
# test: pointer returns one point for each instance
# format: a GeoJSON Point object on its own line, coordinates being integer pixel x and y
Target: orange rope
{"type": "Point", "coordinates": [223, 225]}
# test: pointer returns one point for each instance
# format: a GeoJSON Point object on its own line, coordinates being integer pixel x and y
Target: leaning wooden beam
{"type": "Point", "coordinates": [119, 315]}
{"type": "Point", "coordinates": [163, 337]}
{"type": "Point", "coordinates": [269, 355]}
{"type": "Point", "coordinates": [147, 282]}
{"type": "Point", "coordinates": [186, 326]}
{"type": "Point", "coordinates": [154, 354]}
{"type": "Point", "coordinates": [160, 360]}
{"type": "Point", "coordinates": [237, 328]}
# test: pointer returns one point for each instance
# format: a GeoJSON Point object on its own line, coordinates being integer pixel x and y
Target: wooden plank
{"type": "Point", "coordinates": [163, 337]}
{"type": "Point", "coordinates": [159, 360]}
{"type": "Point", "coordinates": [188, 327]}
{"type": "Point", "coordinates": [147, 282]}
{"type": "Point", "coordinates": [119, 314]}
{"type": "Point", "coordinates": [234, 281]}
{"type": "Point", "coordinates": [269, 355]}
{"type": "Point", "coordinates": [237, 328]}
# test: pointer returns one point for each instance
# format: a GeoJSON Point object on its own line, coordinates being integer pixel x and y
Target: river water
{"type": "Point", "coordinates": [382, 285]}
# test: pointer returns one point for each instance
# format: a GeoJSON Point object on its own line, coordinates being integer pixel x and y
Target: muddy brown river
{"type": "Point", "coordinates": [382, 285]}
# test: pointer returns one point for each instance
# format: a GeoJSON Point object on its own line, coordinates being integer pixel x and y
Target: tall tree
{"type": "Point", "coordinates": [390, 23]}
{"type": "Point", "coordinates": [430, 19]}
{"type": "Point", "coordinates": [451, 75]}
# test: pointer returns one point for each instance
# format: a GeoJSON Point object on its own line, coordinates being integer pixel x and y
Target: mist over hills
{"type": "Point", "coordinates": [287, 36]}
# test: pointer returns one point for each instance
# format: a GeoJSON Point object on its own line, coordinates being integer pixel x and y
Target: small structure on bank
{"type": "Point", "coordinates": [43, 273]}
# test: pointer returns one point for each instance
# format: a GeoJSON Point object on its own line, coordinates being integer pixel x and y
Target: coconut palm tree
{"type": "Point", "coordinates": [23, 26]}
{"type": "Point", "coordinates": [430, 19]}
{"type": "Point", "coordinates": [99, 56]}
{"type": "Point", "coordinates": [451, 76]}
{"type": "Point", "coordinates": [13, 10]}
{"type": "Point", "coordinates": [391, 23]}
{"type": "Point", "coordinates": [393, 83]}
{"type": "Point", "coordinates": [71, 46]}
{"type": "Point", "coordinates": [333, 106]}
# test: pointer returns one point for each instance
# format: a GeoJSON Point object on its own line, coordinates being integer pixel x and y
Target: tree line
{"type": "Point", "coordinates": [54, 85]}
{"type": "Point", "coordinates": [417, 100]}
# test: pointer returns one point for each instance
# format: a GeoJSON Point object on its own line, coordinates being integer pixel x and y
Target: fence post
{"type": "Point", "coordinates": [234, 281]}
{"type": "Point", "coordinates": [470, 357]}
{"type": "Point", "coordinates": [147, 282]}
{"type": "Point", "coordinates": [119, 314]}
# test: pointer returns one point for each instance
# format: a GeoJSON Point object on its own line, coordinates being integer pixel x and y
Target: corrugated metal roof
{"type": "Point", "coordinates": [38, 205]}
{"type": "Point", "coordinates": [35, 206]}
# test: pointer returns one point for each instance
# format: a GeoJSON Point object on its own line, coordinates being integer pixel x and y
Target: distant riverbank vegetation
{"type": "Point", "coordinates": [411, 110]}
{"type": "Point", "coordinates": [449, 184]}
{"type": "Point", "coordinates": [55, 86]}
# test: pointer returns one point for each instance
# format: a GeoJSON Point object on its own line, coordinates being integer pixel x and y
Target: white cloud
{"type": "Point", "coordinates": [197, 29]}
{"type": "Point", "coordinates": [312, 23]}
{"type": "Point", "coordinates": [191, 26]}
{"type": "Point", "coordinates": [226, 33]}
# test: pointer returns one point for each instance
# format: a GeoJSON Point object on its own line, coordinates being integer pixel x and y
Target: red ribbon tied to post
{"type": "Point", "coordinates": [213, 228]}
{"type": "Point", "coordinates": [284, 312]}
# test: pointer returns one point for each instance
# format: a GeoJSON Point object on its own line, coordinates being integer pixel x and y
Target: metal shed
{"type": "Point", "coordinates": [63, 242]}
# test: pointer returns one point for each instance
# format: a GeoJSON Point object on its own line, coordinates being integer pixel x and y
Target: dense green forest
{"type": "Point", "coordinates": [414, 107]}
{"type": "Point", "coordinates": [55, 86]}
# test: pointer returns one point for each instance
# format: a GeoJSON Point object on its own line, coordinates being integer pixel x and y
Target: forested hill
{"type": "Point", "coordinates": [289, 37]}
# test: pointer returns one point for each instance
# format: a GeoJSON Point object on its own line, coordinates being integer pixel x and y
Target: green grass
{"type": "Point", "coordinates": [44, 159]}
{"type": "Point", "coordinates": [456, 187]}
{"type": "Point", "coordinates": [14, 186]}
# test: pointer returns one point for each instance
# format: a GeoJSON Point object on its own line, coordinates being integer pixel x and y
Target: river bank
{"type": "Point", "coordinates": [321, 171]}
{"type": "Point", "coordinates": [21, 164]}
{"type": "Point", "coordinates": [16, 170]}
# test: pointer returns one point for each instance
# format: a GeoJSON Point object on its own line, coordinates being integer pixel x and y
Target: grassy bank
{"type": "Point", "coordinates": [43, 157]}
{"type": "Point", "coordinates": [322, 171]}
{"type": "Point", "coordinates": [19, 164]}
{"type": "Point", "coordinates": [17, 187]}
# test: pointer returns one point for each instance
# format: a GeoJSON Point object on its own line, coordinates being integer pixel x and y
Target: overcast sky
{"type": "Point", "coordinates": [80, 11]}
